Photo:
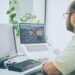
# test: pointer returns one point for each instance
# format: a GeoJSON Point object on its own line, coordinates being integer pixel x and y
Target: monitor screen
{"type": "Point", "coordinates": [32, 33]}
{"type": "Point", "coordinates": [7, 41]}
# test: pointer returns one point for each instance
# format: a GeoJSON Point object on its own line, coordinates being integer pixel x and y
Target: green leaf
{"type": "Point", "coordinates": [21, 19]}
{"type": "Point", "coordinates": [17, 31]}
{"type": "Point", "coordinates": [15, 22]}
{"type": "Point", "coordinates": [34, 17]}
{"type": "Point", "coordinates": [12, 8]}
{"type": "Point", "coordinates": [11, 20]}
{"type": "Point", "coordinates": [15, 27]}
{"type": "Point", "coordinates": [14, 1]}
{"type": "Point", "coordinates": [25, 20]}
{"type": "Point", "coordinates": [10, 2]}
{"type": "Point", "coordinates": [38, 21]}
{"type": "Point", "coordinates": [8, 12]}
{"type": "Point", "coordinates": [12, 15]}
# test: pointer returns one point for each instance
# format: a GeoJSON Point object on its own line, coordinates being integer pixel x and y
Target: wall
{"type": "Point", "coordinates": [31, 6]}
{"type": "Point", "coordinates": [56, 27]}
{"type": "Point", "coordinates": [57, 34]}
{"type": "Point", "coordinates": [3, 8]}
{"type": "Point", "coordinates": [23, 7]}
{"type": "Point", "coordinates": [39, 9]}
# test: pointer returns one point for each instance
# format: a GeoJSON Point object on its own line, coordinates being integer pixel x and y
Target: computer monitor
{"type": "Point", "coordinates": [32, 33]}
{"type": "Point", "coordinates": [7, 41]}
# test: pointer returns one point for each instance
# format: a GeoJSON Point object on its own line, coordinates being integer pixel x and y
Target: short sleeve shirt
{"type": "Point", "coordinates": [65, 62]}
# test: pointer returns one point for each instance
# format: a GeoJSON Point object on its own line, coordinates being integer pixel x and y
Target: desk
{"type": "Point", "coordinates": [28, 72]}
{"type": "Point", "coordinates": [7, 72]}
{"type": "Point", "coordinates": [18, 59]}
{"type": "Point", "coordinates": [35, 69]}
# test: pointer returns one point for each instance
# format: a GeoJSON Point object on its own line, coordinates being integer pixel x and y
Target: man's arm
{"type": "Point", "coordinates": [50, 69]}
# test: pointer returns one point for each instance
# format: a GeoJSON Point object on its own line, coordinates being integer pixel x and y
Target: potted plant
{"type": "Point", "coordinates": [11, 12]}
{"type": "Point", "coordinates": [28, 17]}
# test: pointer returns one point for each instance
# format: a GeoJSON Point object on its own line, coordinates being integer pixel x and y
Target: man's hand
{"type": "Point", "coordinates": [50, 69]}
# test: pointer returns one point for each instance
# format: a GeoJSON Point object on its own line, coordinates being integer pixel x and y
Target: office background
{"type": "Point", "coordinates": [55, 22]}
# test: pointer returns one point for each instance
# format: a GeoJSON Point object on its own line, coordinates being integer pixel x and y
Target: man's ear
{"type": "Point", "coordinates": [72, 20]}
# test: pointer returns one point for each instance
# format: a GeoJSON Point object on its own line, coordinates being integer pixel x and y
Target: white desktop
{"type": "Point", "coordinates": [8, 49]}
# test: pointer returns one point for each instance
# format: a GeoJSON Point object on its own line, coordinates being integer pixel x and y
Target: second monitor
{"type": "Point", "coordinates": [7, 41]}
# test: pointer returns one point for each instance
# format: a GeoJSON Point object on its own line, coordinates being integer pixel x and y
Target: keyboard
{"type": "Point", "coordinates": [23, 66]}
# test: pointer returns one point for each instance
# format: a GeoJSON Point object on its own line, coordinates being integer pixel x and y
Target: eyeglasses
{"type": "Point", "coordinates": [65, 15]}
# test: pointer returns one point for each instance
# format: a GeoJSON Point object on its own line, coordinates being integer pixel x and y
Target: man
{"type": "Point", "coordinates": [64, 64]}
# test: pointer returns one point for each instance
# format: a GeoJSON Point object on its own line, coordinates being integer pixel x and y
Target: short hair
{"type": "Point", "coordinates": [70, 11]}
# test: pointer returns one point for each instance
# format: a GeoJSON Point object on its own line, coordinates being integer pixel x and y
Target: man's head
{"type": "Point", "coordinates": [71, 17]}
